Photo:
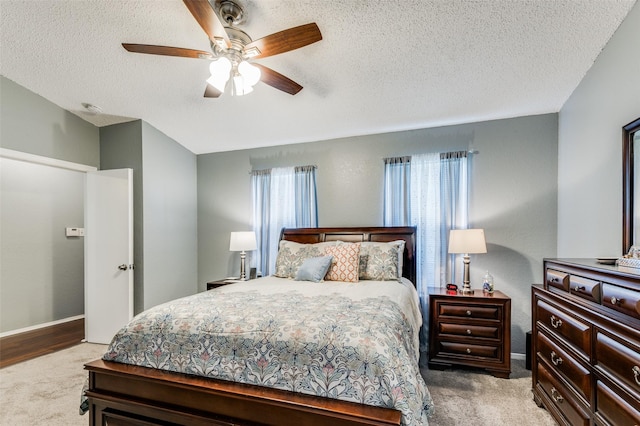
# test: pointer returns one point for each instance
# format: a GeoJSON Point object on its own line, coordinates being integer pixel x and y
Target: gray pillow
{"type": "Point", "coordinates": [314, 269]}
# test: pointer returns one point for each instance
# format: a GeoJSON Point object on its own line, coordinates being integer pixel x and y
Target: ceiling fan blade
{"type": "Point", "coordinates": [278, 81]}
{"type": "Point", "coordinates": [284, 41]}
{"type": "Point", "coordinates": [208, 20]}
{"type": "Point", "coordinates": [167, 51]}
{"type": "Point", "coordinates": [211, 92]}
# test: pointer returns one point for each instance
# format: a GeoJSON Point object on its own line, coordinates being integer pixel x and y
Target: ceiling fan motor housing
{"type": "Point", "coordinates": [230, 12]}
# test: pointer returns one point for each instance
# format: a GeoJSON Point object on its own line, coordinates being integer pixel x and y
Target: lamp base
{"type": "Point", "coordinates": [466, 289]}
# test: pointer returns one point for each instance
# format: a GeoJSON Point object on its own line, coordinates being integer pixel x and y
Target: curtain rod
{"type": "Point", "coordinates": [296, 168]}
{"type": "Point", "coordinates": [407, 158]}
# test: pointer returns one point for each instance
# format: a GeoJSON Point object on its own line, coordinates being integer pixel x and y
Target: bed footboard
{"type": "Point", "coordinates": [121, 394]}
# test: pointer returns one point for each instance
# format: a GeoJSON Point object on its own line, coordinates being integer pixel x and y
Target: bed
{"type": "Point", "coordinates": [327, 353]}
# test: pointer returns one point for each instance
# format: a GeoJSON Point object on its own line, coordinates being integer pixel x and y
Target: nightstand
{"type": "Point", "coordinates": [219, 283]}
{"type": "Point", "coordinates": [471, 329]}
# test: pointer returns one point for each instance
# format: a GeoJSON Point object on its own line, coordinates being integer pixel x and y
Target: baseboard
{"type": "Point", "coordinates": [30, 344]}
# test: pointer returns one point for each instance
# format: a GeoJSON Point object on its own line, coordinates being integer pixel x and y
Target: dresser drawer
{"type": "Point", "coordinates": [613, 410]}
{"type": "Point", "coordinates": [585, 288]}
{"type": "Point", "coordinates": [619, 361]}
{"type": "Point", "coordinates": [621, 299]}
{"type": "Point", "coordinates": [493, 312]}
{"type": "Point", "coordinates": [557, 279]}
{"type": "Point", "coordinates": [489, 332]}
{"type": "Point", "coordinates": [576, 333]}
{"type": "Point", "coordinates": [565, 364]}
{"type": "Point", "coordinates": [469, 349]}
{"type": "Point", "coordinates": [560, 396]}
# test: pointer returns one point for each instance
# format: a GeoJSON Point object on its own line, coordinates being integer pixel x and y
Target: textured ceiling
{"type": "Point", "coordinates": [383, 65]}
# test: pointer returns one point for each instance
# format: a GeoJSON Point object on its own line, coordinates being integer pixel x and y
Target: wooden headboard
{"type": "Point", "coordinates": [352, 234]}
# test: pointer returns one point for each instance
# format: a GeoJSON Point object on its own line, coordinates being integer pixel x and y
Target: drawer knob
{"type": "Point", "coordinates": [579, 287]}
{"type": "Point", "coordinates": [636, 374]}
{"type": "Point", "coordinates": [555, 322]}
{"type": "Point", "coordinates": [555, 359]}
{"type": "Point", "coordinates": [615, 301]}
{"type": "Point", "coordinates": [468, 350]}
{"type": "Point", "coordinates": [556, 396]}
{"type": "Point", "coordinates": [469, 332]}
{"type": "Point", "coordinates": [468, 313]}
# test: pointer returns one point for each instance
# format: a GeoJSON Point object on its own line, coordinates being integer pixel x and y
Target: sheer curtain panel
{"type": "Point", "coordinates": [283, 197]}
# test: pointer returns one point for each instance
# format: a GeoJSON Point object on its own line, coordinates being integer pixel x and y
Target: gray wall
{"type": "Point", "coordinates": [42, 271]}
{"type": "Point", "coordinates": [170, 218]}
{"type": "Point", "coordinates": [514, 195]}
{"type": "Point", "coordinates": [120, 148]}
{"type": "Point", "coordinates": [32, 124]}
{"type": "Point", "coordinates": [165, 211]}
{"type": "Point", "coordinates": [590, 147]}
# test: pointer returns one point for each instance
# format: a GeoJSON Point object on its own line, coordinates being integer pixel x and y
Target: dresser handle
{"type": "Point", "coordinates": [555, 359]}
{"type": "Point", "coordinates": [468, 313]}
{"type": "Point", "coordinates": [468, 350]}
{"type": "Point", "coordinates": [578, 288]}
{"type": "Point", "coordinates": [469, 332]}
{"type": "Point", "coordinates": [615, 301]}
{"type": "Point", "coordinates": [556, 396]}
{"type": "Point", "coordinates": [636, 374]}
{"type": "Point", "coordinates": [555, 322]}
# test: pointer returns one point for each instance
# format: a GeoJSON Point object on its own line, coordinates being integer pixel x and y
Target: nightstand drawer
{"type": "Point", "coordinates": [469, 311]}
{"type": "Point", "coordinates": [474, 350]}
{"type": "Point", "coordinates": [489, 332]}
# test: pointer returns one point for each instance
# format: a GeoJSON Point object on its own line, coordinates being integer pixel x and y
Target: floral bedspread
{"type": "Point", "coordinates": [355, 345]}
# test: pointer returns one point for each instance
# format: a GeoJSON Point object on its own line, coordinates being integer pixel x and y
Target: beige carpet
{"type": "Point", "coordinates": [46, 391]}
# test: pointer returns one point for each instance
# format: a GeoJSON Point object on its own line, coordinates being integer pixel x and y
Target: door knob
{"type": "Point", "coordinates": [123, 267]}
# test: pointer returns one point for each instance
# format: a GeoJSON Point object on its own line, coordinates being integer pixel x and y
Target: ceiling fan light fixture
{"type": "Point", "coordinates": [220, 71]}
{"type": "Point", "coordinates": [250, 73]}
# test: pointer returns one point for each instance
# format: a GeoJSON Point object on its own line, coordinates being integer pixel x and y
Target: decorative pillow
{"type": "Point", "coordinates": [344, 266]}
{"type": "Point", "coordinates": [381, 261]}
{"type": "Point", "coordinates": [314, 269]}
{"type": "Point", "coordinates": [292, 254]}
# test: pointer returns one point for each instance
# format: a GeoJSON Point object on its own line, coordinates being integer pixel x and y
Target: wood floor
{"type": "Point", "coordinates": [34, 343]}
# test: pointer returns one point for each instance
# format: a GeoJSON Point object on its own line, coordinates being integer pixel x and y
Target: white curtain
{"type": "Point", "coordinates": [283, 197]}
{"type": "Point", "coordinates": [438, 191]}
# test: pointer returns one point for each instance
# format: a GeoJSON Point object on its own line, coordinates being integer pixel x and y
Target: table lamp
{"type": "Point", "coordinates": [467, 241]}
{"type": "Point", "coordinates": [243, 242]}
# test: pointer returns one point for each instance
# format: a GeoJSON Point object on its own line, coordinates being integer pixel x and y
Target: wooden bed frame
{"type": "Point", "coordinates": [121, 394]}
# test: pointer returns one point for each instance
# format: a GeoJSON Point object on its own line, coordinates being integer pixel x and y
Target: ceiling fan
{"type": "Point", "coordinates": [232, 49]}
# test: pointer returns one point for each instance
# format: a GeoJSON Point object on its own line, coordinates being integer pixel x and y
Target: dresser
{"type": "Point", "coordinates": [586, 343]}
{"type": "Point", "coordinates": [471, 329]}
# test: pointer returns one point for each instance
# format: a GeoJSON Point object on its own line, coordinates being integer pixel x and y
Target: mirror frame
{"type": "Point", "coordinates": [628, 172]}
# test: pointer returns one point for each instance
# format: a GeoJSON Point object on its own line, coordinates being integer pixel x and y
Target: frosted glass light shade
{"type": "Point", "coordinates": [243, 241]}
{"type": "Point", "coordinates": [220, 73]}
{"type": "Point", "coordinates": [467, 241]}
{"type": "Point", "coordinates": [250, 73]}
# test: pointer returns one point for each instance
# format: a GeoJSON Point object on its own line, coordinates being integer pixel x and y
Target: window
{"type": "Point", "coordinates": [283, 197]}
{"type": "Point", "coordinates": [430, 192]}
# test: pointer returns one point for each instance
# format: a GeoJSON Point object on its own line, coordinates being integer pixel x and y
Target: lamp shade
{"type": "Point", "coordinates": [243, 241]}
{"type": "Point", "coordinates": [467, 241]}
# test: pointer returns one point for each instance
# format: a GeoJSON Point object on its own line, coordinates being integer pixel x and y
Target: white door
{"type": "Point", "coordinates": [108, 249]}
